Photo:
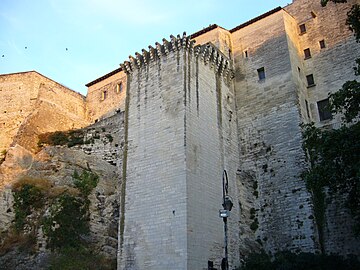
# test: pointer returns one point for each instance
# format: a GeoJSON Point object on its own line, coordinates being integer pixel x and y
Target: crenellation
{"type": "Point", "coordinates": [166, 46]}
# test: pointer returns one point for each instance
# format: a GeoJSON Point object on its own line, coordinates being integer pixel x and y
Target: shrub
{"type": "Point", "coordinates": [67, 221]}
{"type": "Point", "coordinates": [85, 182]}
{"type": "Point", "coordinates": [286, 260]}
{"type": "Point", "coordinates": [82, 258]}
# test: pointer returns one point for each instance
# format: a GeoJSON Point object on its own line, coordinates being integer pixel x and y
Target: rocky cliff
{"type": "Point", "coordinates": [98, 150]}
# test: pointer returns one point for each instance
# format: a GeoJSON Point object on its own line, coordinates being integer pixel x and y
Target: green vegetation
{"type": "Point", "coordinates": [80, 258]}
{"type": "Point", "coordinates": [63, 213]}
{"type": "Point", "coordinates": [333, 155]}
{"type": "Point", "coordinates": [85, 182]}
{"type": "Point", "coordinates": [68, 219]}
{"type": "Point", "coordinates": [109, 137]}
{"type": "Point", "coordinates": [303, 261]}
{"type": "Point", "coordinates": [67, 222]}
{"type": "Point", "coordinates": [69, 138]}
{"type": "Point", "coordinates": [29, 195]}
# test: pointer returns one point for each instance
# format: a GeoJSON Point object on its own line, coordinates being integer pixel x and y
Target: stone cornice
{"type": "Point", "coordinates": [207, 53]}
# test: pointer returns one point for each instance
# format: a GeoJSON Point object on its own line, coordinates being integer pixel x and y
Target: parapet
{"type": "Point", "coordinates": [207, 53]}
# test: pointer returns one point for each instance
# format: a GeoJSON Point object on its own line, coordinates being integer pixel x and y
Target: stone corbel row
{"type": "Point", "coordinates": [213, 56]}
{"type": "Point", "coordinates": [207, 53]}
{"type": "Point", "coordinates": [160, 50]}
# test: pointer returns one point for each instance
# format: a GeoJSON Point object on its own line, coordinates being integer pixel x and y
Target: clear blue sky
{"type": "Point", "coordinates": [76, 41]}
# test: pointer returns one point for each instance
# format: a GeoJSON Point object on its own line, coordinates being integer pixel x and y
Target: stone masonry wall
{"type": "Point", "coordinates": [175, 158]}
{"type": "Point", "coordinates": [211, 147]}
{"type": "Point", "coordinates": [105, 96]}
{"type": "Point", "coordinates": [35, 104]}
{"type": "Point", "coordinates": [19, 95]}
{"type": "Point", "coordinates": [331, 67]}
{"type": "Point", "coordinates": [271, 157]}
{"type": "Point", "coordinates": [154, 235]}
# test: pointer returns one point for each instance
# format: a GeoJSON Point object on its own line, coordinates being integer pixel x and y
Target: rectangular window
{"type": "Point", "coordinates": [302, 28]}
{"type": "Point", "coordinates": [119, 87]}
{"type": "Point", "coordinates": [310, 80]}
{"type": "Point", "coordinates": [307, 108]}
{"type": "Point", "coordinates": [103, 95]}
{"type": "Point", "coordinates": [261, 73]}
{"type": "Point", "coordinates": [322, 44]}
{"type": "Point", "coordinates": [307, 53]}
{"type": "Point", "coordinates": [324, 110]}
{"type": "Point", "coordinates": [246, 54]}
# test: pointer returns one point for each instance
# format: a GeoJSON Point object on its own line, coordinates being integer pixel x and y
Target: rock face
{"type": "Point", "coordinates": [56, 164]}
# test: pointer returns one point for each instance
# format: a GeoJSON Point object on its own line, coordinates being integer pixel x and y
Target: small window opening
{"type": "Point", "coordinates": [261, 73]}
{"type": "Point", "coordinates": [307, 53]}
{"type": "Point", "coordinates": [324, 110]}
{"type": "Point", "coordinates": [103, 95]}
{"type": "Point", "coordinates": [299, 69]}
{"type": "Point", "coordinates": [246, 54]}
{"type": "Point", "coordinates": [119, 87]}
{"type": "Point", "coordinates": [313, 14]}
{"type": "Point", "coordinates": [310, 80]}
{"type": "Point", "coordinates": [322, 44]}
{"type": "Point", "coordinates": [307, 108]}
{"type": "Point", "coordinates": [302, 28]}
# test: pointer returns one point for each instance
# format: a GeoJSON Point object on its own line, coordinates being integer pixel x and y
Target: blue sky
{"type": "Point", "coordinates": [76, 41]}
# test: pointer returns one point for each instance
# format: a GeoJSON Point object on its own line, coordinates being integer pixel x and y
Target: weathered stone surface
{"type": "Point", "coordinates": [57, 165]}
{"type": "Point", "coordinates": [33, 104]}
{"type": "Point", "coordinates": [233, 100]}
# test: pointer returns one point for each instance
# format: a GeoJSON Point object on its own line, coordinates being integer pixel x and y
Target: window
{"type": "Point", "coordinates": [246, 54]}
{"type": "Point", "coordinates": [261, 73]}
{"type": "Point", "coordinates": [119, 87]}
{"type": "Point", "coordinates": [307, 53]}
{"type": "Point", "coordinates": [313, 14]}
{"type": "Point", "coordinates": [322, 44]}
{"type": "Point", "coordinates": [302, 28]}
{"type": "Point", "coordinates": [103, 95]}
{"type": "Point", "coordinates": [307, 108]}
{"type": "Point", "coordinates": [324, 111]}
{"type": "Point", "coordinates": [310, 80]}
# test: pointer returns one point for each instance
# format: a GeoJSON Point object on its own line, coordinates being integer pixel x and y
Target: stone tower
{"type": "Point", "coordinates": [181, 135]}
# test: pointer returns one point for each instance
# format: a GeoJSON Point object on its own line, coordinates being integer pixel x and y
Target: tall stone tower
{"type": "Point", "coordinates": [181, 135]}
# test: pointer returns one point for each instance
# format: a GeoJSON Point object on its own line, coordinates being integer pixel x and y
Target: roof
{"type": "Point", "coordinates": [203, 31]}
{"type": "Point", "coordinates": [104, 77]}
{"type": "Point", "coordinates": [255, 19]}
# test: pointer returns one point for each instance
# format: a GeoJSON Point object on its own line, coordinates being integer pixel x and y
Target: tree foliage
{"type": "Point", "coordinates": [334, 155]}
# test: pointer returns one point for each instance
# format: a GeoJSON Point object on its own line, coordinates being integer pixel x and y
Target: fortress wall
{"type": "Point", "coordinates": [181, 135]}
{"type": "Point", "coordinates": [61, 98]}
{"type": "Point", "coordinates": [34, 104]}
{"type": "Point", "coordinates": [297, 66]}
{"type": "Point", "coordinates": [220, 37]}
{"type": "Point", "coordinates": [56, 108]}
{"type": "Point", "coordinates": [271, 156]}
{"type": "Point", "coordinates": [18, 98]}
{"type": "Point", "coordinates": [155, 230]}
{"type": "Point", "coordinates": [331, 66]}
{"type": "Point", "coordinates": [211, 147]}
{"type": "Point", "coordinates": [98, 104]}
